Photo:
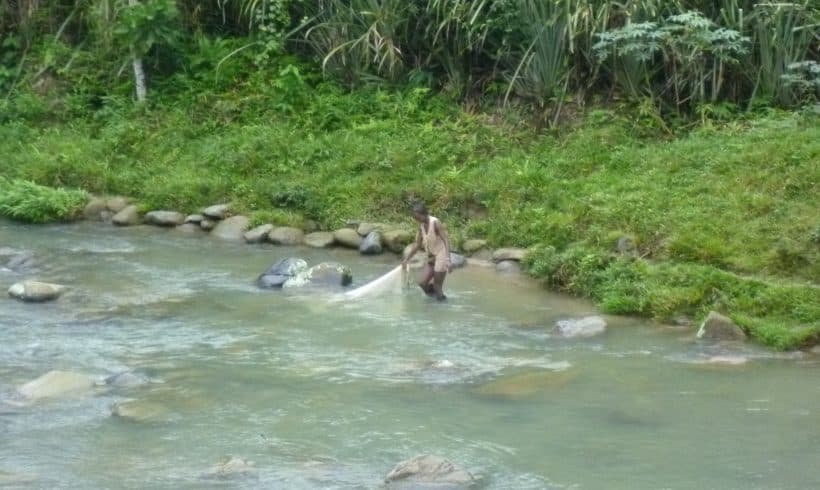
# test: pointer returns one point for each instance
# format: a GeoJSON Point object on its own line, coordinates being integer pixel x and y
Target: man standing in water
{"type": "Point", "coordinates": [434, 239]}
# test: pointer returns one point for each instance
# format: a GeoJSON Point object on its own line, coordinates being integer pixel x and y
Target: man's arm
{"type": "Point", "coordinates": [415, 248]}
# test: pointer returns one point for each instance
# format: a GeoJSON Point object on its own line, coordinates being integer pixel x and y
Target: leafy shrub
{"type": "Point", "coordinates": [23, 200]}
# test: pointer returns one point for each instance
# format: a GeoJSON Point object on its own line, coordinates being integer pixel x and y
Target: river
{"type": "Point", "coordinates": [328, 394]}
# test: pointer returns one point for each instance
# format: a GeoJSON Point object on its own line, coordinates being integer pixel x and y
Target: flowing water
{"type": "Point", "coordinates": [332, 394]}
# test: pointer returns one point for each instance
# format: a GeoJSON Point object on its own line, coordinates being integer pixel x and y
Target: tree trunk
{"type": "Point", "coordinates": [139, 72]}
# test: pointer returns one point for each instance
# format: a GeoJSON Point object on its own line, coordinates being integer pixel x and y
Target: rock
{"type": "Point", "coordinates": [116, 204]}
{"type": "Point", "coordinates": [508, 267]}
{"type": "Point", "coordinates": [140, 411]}
{"type": "Point", "coordinates": [126, 379]}
{"type": "Point", "coordinates": [457, 260]}
{"type": "Point", "coordinates": [56, 383]}
{"type": "Point", "coordinates": [428, 471]}
{"type": "Point", "coordinates": [286, 235]}
{"type": "Point", "coordinates": [164, 218]}
{"type": "Point", "coordinates": [719, 327]}
{"type": "Point", "coordinates": [324, 274]}
{"type": "Point", "coordinates": [472, 246]}
{"type": "Point", "coordinates": [526, 384]}
{"type": "Point", "coordinates": [582, 327]}
{"type": "Point", "coordinates": [231, 468]}
{"type": "Point", "coordinates": [319, 239]}
{"type": "Point", "coordinates": [128, 216]}
{"type": "Point", "coordinates": [280, 272]}
{"type": "Point", "coordinates": [106, 216]}
{"type": "Point", "coordinates": [207, 224]}
{"type": "Point", "coordinates": [232, 228]}
{"type": "Point", "coordinates": [93, 210]}
{"type": "Point", "coordinates": [217, 211]}
{"type": "Point", "coordinates": [372, 243]}
{"type": "Point", "coordinates": [484, 254]}
{"type": "Point", "coordinates": [347, 237]}
{"type": "Point", "coordinates": [365, 228]}
{"type": "Point", "coordinates": [189, 228]}
{"type": "Point", "coordinates": [509, 254]}
{"type": "Point", "coordinates": [194, 218]}
{"type": "Point", "coordinates": [258, 234]}
{"type": "Point", "coordinates": [396, 240]}
{"type": "Point", "coordinates": [625, 244]}
{"type": "Point", "coordinates": [34, 291]}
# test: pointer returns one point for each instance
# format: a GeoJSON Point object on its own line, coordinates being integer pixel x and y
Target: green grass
{"type": "Point", "coordinates": [26, 201]}
{"type": "Point", "coordinates": [724, 217]}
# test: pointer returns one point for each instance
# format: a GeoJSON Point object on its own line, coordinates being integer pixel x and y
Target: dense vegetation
{"type": "Point", "coordinates": [686, 129]}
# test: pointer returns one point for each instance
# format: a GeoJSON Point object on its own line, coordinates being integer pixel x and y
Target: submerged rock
{"type": "Point", "coordinates": [583, 327]}
{"type": "Point", "coordinates": [231, 468]}
{"type": "Point", "coordinates": [719, 327]}
{"type": "Point", "coordinates": [35, 291]}
{"type": "Point", "coordinates": [324, 274]}
{"type": "Point", "coordinates": [526, 384]}
{"type": "Point", "coordinates": [140, 411]}
{"type": "Point", "coordinates": [127, 379]}
{"type": "Point", "coordinates": [428, 471]}
{"type": "Point", "coordinates": [508, 267]}
{"type": "Point", "coordinates": [280, 272]}
{"type": "Point", "coordinates": [56, 383]}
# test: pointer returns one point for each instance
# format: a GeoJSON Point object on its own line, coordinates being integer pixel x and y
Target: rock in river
{"type": "Point", "coordinates": [280, 272]}
{"type": "Point", "coordinates": [581, 327]}
{"type": "Point", "coordinates": [719, 327]}
{"type": "Point", "coordinates": [428, 471]}
{"type": "Point", "coordinates": [56, 383]}
{"type": "Point", "coordinates": [232, 228]}
{"type": "Point", "coordinates": [35, 291]}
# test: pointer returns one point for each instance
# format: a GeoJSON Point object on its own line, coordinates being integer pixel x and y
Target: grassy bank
{"type": "Point", "coordinates": [724, 216]}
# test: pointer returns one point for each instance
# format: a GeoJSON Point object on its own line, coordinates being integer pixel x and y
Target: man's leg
{"type": "Point", "coordinates": [438, 285]}
{"type": "Point", "coordinates": [424, 281]}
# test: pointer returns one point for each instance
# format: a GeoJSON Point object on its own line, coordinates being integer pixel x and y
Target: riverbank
{"type": "Point", "coordinates": [722, 217]}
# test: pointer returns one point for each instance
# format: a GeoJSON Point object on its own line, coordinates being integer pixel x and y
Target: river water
{"type": "Point", "coordinates": [327, 394]}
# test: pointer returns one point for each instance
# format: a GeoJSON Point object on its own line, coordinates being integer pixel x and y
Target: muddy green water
{"type": "Point", "coordinates": [322, 394]}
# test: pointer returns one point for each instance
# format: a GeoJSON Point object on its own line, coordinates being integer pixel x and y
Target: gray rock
{"type": "Point", "coordinates": [140, 411]}
{"type": "Point", "coordinates": [319, 239]}
{"type": "Point", "coordinates": [347, 237]}
{"type": "Point", "coordinates": [625, 244]}
{"type": "Point", "coordinates": [719, 327]}
{"type": "Point", "coordinates": [116, 204]}
{"type": "Point", "coordinates": [127, 379]}
{"type": "Point", "coordinates": [93, 210]}
{"type": "Point", "coordinates": [484, 254]}
{"type": "Point", "coordinates": [35, 292]}
{"type": "Point", "coordinates": [258, 234]}
{"type": "Point", "coordinates": [286, 235]}
{"type": "Point", "coordinates": [324, 274]}
{"type": "Point", "coordinates": [509, 253]}
{"type": "Point", "coordinates": [56, 383]}
{"type": "Point", "coordinates": [128, 216]}
{"type": "Point", "coordinates": [194, 218]}
{"type": "Point", "coordinates": [280, 272]}
{"type": "Point", "coordinates": [582, 327]}
{"type": "Point", "coordinates": [365, 228]}
{"type": "Point", "coordinates": [428, 471]}
{"type": "Point", "coordinates": [396, 240]}
{"type": "Point", "coordinates": [457, 260]}
{"type": "Point", "coordinates": [164, 218]}
{"type": "Point", "coordinates": [217, 211]}
{"type": "Point", "coordinates": [231, 468]}
{"type": "Point", "coordinates": [106, 216]}
{"type": "Point", "coordinates": [472, 246]}
{"type": "Point", "coordinates": [508, 267]}
{"type": "Point", "coordinates": [189, 228]}
{"type": "Point", "coordinates": [207, 224]}
{"type": "Point", "coordinates": [372, 243]}
{"type": "Point", "coordinates": [232, 228]}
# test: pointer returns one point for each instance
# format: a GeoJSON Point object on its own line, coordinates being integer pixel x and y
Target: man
{"type": "Point", "coordinates": [434, 239]}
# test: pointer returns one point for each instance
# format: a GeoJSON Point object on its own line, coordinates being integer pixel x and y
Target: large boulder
{"type": "Point", "coordinates": [164, 218]}
{"type": "Point", "coordinates": [128, 216]}
{"type": "Point", "coordinates": [217, 211]}
{"type": "Point", "coordinates": [286, 235]}
{"type": "Point", "coordinates": [324, 274]}
{"type": "Point", "coordinates": [428, 471]}
{"type": "Point", "coordinates": [116, 204]}
{"type": "Point", "coordinates": [472, 246]}
{"type": "Point", "coordinates": [208, 224]}
{"type": "Point", "coordinates": [347, 237]}
{"type": "Point", "coordinates": [280, 272]}
{"type": "Point", "coordinates": [194, 218]}
{"type": "Point", "coordinates": [56, 383]}
{"type": "Point", "coordinates": [396, 240]}
{"type": "Point", "coordinates": [372, 243]}
{"type": "Point", "coordinates": [365, 228]}
{"type": "Point", "coordinates": [581, 327]}
{"type": "Point", "coordinates": [93, 210]}
{"type": "Point", "coordinates": [232, 228]}
{"type": "Point", "coordinates": [509, 253]}
{"type": "Point", "coordinates": [719, 327]}
{"type": "Point", "coordinates": [319, 239]}
{"type": "Point", "coordinates": [35, 291]}
{"type": "Point", "coordinates": [258, 234]}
